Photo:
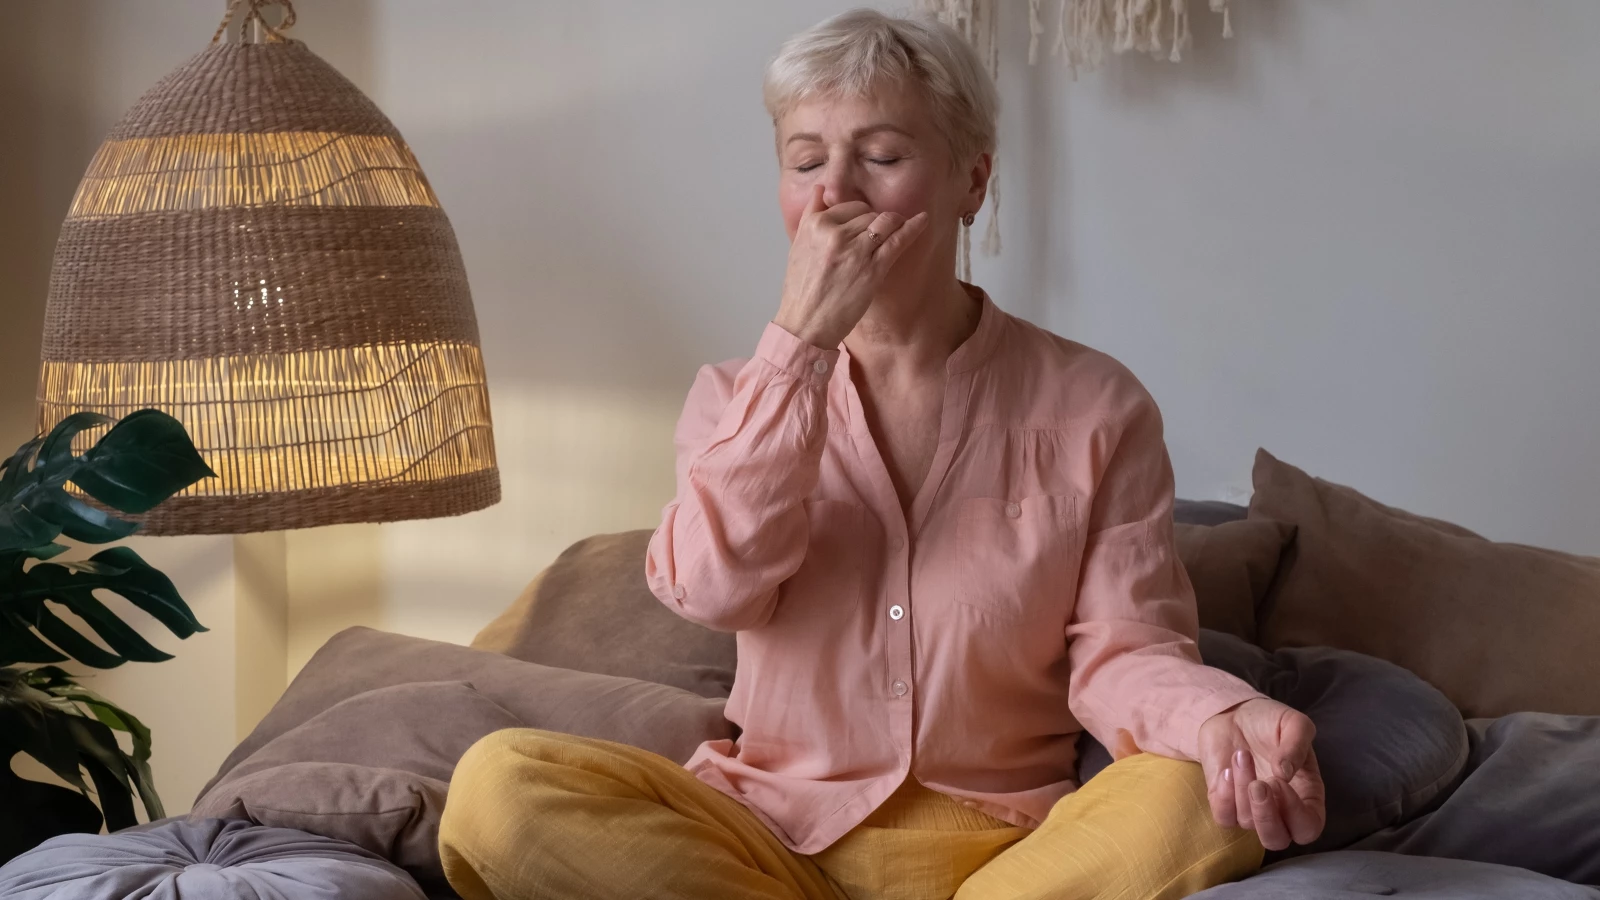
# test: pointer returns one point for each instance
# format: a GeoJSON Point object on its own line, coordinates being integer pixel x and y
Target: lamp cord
{"type": "Point", "coordinates": [254, 13]}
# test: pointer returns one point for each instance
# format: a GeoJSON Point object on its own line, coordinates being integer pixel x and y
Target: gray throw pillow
{"type": "Point", "coordinates": [1388, 743]}
{"type": "Point", "coordinates": [1352, 875]}
{"type": "Point", "coordinates": [1531, 798]}
{"type": "Point", "coordinates": [211, 859]}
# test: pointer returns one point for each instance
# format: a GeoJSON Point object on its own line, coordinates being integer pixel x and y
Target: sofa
{"type": "Point", "coordinates": [1449, 677]}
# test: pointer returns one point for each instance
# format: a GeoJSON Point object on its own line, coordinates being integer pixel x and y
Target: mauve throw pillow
{"type": "Point", "coordinates": [372, 770]}
{"type": "Point", "coordinates": [393, 813]}
{"type": "Point", "coordinates": [1499, 628]}
{"type": "Point", "coordinates": [592, 611]}
{"type": "Point", "coordinates": [1231, 565]}
{"type": "Point", "coordinates": [655, 717]}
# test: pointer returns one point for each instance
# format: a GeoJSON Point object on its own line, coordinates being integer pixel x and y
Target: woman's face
{"type": "Point", "coordinates": [883, 149]}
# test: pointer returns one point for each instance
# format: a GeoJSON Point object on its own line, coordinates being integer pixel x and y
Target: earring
{"type": "Point", "coordinates": [968, 219]}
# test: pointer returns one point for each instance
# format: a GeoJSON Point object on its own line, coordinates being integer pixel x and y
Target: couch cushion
{"type": "Point", "coordinates": [1531, 799]}
{"type": "Point", "coordinates": [658, 718]}
{"type": "Point", "coordinates": [1206, 512]}
{"type": "Point", "coordinates": [1352, 875]}
{"type": "Point", "coordinates": [1231, 566]}
{"type": "Point", "coordinates": [372, 769]}
{"type": "Point", "coordinates": [212, 859]}
{"type": "Point", "coordinates": [1388, 743]}
{"type": "Point", "coordinates": [592, 611]}
{"type": "Point", "coordinates": [1499, 628]}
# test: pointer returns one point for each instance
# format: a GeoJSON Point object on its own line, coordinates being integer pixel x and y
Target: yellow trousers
{"type": "Point", "coordinates": [536, 814]}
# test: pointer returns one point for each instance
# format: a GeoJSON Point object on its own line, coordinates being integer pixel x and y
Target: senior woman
{"type": "Point", "coordinates": [944, 539]}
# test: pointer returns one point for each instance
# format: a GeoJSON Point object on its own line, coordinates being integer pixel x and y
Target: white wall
{"type": "Point", "coordinates": [1360, 234]}
{"type": "Point", "coordinates": [1363, 235]}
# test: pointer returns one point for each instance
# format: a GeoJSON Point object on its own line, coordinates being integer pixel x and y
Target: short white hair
{"type": "Point", "coordinates": [857, 52]}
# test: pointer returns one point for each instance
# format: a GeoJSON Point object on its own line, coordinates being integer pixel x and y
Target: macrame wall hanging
{"type": "Point", "coordinates": [1086, 33]}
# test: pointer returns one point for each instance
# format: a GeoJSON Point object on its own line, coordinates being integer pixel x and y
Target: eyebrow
{"type": "Point", "coordinates": [856, 135]}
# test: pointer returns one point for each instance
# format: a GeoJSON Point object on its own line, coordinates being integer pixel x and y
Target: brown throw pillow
{"type": "Point", "coordinates": [592, 611]}
{"type": "Point", "coordinates": [656, 717]}
{"type": "Point", "coordinates": [1231, 566]}
{"type": "Point", "coordinates": [1499, 628]}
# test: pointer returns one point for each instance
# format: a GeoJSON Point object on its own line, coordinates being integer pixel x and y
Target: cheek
{"type": "Point", "coordinates": [792, 200]}
{"type": "Point", "coordinates": [908, 191]}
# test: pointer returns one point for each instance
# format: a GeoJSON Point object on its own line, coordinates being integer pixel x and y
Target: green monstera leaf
{"type": "Point", "coordinates": [144, 459]}
{"type": "Point", "coordinates": [44, 713]}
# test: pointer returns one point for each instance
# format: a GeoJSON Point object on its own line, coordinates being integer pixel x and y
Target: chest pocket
{"type": "Point", "coordinates": [1019, 559]}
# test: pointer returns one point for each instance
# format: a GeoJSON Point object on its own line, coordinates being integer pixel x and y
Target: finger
{"type": "Point", "coordinates": [816, 204]}
{"type": "Point", "coordinates": [1309, 815]}
{"type": "Point", "coordinates": [840, 213]}
{"type": "Point", "coordinates": [1244, 773]}
{"type": "Point", "coordinates": [1294, 742]}
{"type": "Point", "coordinates": [1214, 761]}
{"type": "Point", "coordinates": [1303, 818]}
{"type": "Point", "coordinates": [1266, 807]}
{"type": "Point", "coordinates": [881, 227]}
{"type": "Point", "coordinates": [896, 244]}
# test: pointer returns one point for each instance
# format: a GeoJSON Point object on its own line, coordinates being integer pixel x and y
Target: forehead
{"type": "Point", "coordinates": [834, 116]}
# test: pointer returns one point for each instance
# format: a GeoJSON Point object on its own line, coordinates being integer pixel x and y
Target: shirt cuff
{"type": "Point", "coordinates": [794, 357]}
{"type": "Point", "coordinates": [1186, 736]}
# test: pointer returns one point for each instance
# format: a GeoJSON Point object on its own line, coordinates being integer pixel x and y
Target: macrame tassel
{"type": "Point", "coordinates": [1035, 28]}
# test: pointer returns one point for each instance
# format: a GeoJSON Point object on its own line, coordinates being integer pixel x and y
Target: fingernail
{"type": "Point", "coordinates": [1258, 792]}
{"type": "Point", "coordinates": [1227, 774]}
{"type": "Point", "coordinates": [1238, 759]}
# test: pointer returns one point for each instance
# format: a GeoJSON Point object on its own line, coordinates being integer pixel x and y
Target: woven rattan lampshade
{"type": "Point", "coordinates": [255, 250]}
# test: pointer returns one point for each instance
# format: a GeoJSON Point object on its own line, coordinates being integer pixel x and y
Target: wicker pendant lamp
{"type": "Point", "coordinates": [255, 250]}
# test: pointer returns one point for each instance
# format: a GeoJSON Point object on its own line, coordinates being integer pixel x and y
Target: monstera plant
{"type": "Point", "coordinates": [44, 712]}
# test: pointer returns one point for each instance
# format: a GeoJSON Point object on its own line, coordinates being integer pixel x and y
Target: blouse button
{"type": "Point", "coordinates": [899, 688]}
{"type": "Point", "coordinates": [1013, 510]}
{"type": "Point", "coordinates": [820, 367]}
{"type": "Point", "coordinates": [895, 612]}
{"type": "Point", "coordinates": [678, 591]}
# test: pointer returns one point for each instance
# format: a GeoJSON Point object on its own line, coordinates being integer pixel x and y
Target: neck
{"type": "Point", "coordinates": [914, 324]}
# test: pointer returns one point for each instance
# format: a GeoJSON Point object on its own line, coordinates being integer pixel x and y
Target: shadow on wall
{"type": "Point", "coordinates": [48, 139]}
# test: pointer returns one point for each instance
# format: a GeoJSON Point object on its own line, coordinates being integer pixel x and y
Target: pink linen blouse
{"type": "Point", "coordinates": [1034, 590]}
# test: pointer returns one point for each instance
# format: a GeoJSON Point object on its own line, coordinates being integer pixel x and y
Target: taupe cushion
{"type": "Point", "coordinates": [1499, 628]}
{"type": "Point", "coordinates": [372, 769]}
{"type": "Point", "coordinates": [359, 747]}
{"type": "Point", "coordinates": [592, 611]}
{"type": "Point", "coordinates": [1231, 566]}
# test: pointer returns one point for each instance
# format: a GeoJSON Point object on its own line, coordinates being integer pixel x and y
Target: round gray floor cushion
{"type": "Point", "coordinates": [209, 859]}
{"type": "Point", "coordinates": [1353, 875]}
{"type": "Point", "coordinates": [1388, 742]}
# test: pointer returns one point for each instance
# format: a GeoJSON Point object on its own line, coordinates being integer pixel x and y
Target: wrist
{"type": "Point", "coordinates": [814, 336]}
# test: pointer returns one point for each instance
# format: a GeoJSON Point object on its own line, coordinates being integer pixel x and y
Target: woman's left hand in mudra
{"type": "Point", "coordinates": [1262, 774]}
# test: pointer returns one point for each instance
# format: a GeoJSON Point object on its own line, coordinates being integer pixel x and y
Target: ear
{"type": "Point", "coordinates": [978, 180]}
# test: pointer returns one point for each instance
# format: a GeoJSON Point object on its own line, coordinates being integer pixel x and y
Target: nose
{"type": "Point", "coordinates": [839, 183]}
